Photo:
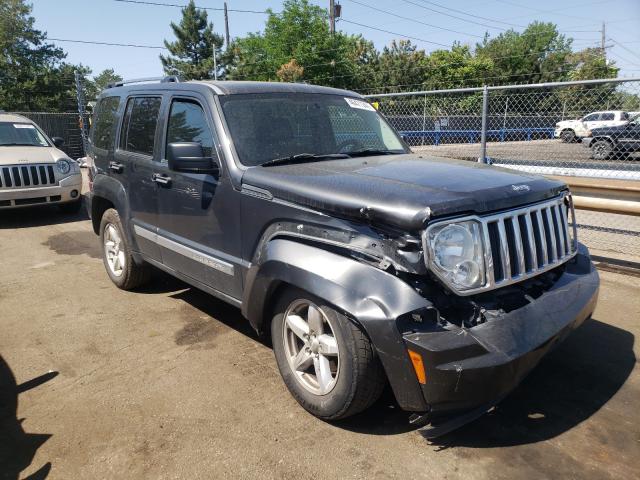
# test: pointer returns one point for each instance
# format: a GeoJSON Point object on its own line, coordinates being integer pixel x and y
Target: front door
{"type": "Point", "coordinates": [198, 213]}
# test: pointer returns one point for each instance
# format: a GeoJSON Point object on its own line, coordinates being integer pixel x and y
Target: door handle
{"type": "Point", "coordinates": [161, 179]}
{"type": "Point", "coordinates": [116, 167]}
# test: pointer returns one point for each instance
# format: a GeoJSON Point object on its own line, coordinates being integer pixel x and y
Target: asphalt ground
{"type": "Point", "coordinates": [552, 151]}
{"type": "Point", "coordinates": [167, 382]}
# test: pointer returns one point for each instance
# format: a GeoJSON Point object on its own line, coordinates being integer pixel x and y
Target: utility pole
{"type": "Point", "coordinates": [215, 63]}
{"type": "Point", "coordinates": [332, 16]}
{"type": "Point", "coordinates": [226, 24]}
{"type": "Point", "coordinates": [603, 40]}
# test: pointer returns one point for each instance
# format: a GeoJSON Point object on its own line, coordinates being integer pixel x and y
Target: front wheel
{"type": "Point", "coordinates": [326, 361]}
{"type": "Point", "coordinates": [601, 149]}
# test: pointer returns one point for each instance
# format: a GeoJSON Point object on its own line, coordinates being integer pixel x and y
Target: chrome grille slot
{"type": "Point", "coordinates": [27, 176]}
{"type": "Point", "coordinates": [527, 241]}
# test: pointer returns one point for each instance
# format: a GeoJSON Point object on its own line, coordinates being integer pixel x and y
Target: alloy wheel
{"type": "Point", "coordinates": [311, 347]}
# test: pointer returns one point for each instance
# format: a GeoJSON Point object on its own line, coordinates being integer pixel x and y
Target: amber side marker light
{"type": "Point", "coordinates": [418, 366]}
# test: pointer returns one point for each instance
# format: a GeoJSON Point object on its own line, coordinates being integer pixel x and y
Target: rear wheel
{"type": "Point", "coordinates": [568, 136]}
{"type": "Point", "coordinates": [601, 149]}
{"type": "Point", "coordinates": [116, 254]}
{"type": "Point", "coordinates": [326, 361]}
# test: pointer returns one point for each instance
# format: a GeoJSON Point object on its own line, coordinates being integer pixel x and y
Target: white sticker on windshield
{"type": "Point", "coordinates": [22, 125]}
{"type": "Point", "coordinates": [362, 105]}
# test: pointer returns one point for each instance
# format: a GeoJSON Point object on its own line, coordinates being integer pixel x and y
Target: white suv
{"type": "Point", "coordinates": [32, 168]}
{"type": "Point", "coordinates": [570, 130]}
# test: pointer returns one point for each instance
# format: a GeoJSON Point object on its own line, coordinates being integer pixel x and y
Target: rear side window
{"type": "Point", "coordinates": [187, 123]}
{"type": "Point", "coordinates": [608, 116]}
{"type": "Point", "coordinates": [139, 126]}
{"type": "Point", "coordinates": [104, 123]}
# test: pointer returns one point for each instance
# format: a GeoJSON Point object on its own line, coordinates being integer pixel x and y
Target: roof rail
{"type": "Point", "coordinates": [167, 79]}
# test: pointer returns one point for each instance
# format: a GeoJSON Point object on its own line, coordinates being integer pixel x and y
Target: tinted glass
{"type": "Point", "coordinates": [139, 127]}
{"type": "Point", "coordinates": [273, 125]}
{"type": "Point", "coordinates": [187, 123]}
{"type": "Point", "coordinates": [591, 118]}
{"type": "Point", "coordinates": [104, 123]}
{"type": "Point", "coordinates": [21, 134]}
{"type": "Point", "coordinates": [608, 116]}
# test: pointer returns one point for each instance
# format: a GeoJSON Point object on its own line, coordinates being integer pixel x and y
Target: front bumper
{"type": "Point", "coordinates": [471, 368]}
{"type": "Point", "coordinates": [53, 194]}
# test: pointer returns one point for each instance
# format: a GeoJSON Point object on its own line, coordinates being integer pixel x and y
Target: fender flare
{"type": "Point", "coordinates": [371, 297]}
{"type": "Point", "coordinates": [113, 191]}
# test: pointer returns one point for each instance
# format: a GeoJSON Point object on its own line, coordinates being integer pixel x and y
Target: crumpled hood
{"type": "Point", "coordinates": [401, 190]}
{"type": "Point", "coordinates": [20, 155]}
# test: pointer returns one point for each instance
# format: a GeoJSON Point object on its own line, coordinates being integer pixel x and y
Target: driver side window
{"type": "Point", "coordinates": [591, 118]}
{"type": "Point", "coordinates": [188, 123]}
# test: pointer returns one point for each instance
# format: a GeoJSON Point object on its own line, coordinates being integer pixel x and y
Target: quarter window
{"type": "Point", "coordinates": [188, 123]}
{"type": "Point", "coordinates": [139, 126]}
{"type": "Point", "coordinates": [104, 124]}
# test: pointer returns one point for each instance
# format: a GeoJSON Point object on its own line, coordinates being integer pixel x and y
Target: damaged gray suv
{"type": "Point", "coordinates": [366, 264]}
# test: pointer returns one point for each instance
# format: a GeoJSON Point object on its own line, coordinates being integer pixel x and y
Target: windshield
{"type": "Point", "coordinates": [23, 134]}
{"type": "Point", "coordinates": [269, 126]}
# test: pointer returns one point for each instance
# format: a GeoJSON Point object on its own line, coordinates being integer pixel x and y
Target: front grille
{"type": "Point", "coordinates": [27, 176]}
{"type": "Point", "coordinates": [525, 242]}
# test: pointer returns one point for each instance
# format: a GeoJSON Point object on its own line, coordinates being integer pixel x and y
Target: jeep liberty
{"type": "Point", "coordinates": [366, 264]}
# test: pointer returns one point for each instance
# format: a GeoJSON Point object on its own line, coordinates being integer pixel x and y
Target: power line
{"type": "Point", "coordinates": [472, 15]}
{"type": "Point", "coordinates": [453, 16]}
{"type": "Point", "coordinates": [93, 42]}
{"type": "Point", "coordinates": [635, 54]}
{"type": "Point", "coordinates": [218, 9]}
{"type": "Point", "coordinates": [394, 33]}
{"type": "Point", "coordinates": [413, 19]}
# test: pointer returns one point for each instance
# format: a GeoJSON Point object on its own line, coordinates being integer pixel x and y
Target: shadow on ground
{"type": "Point", "coordinates": [569, 386]}
{"type": "Point", "coordinates": [38, 216]}
{"type": "Point", "coordinates": [566, 388]}
{"type": "Point", "coordinates": [17, 448]}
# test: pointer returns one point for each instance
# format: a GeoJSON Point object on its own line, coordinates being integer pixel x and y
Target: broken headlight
{"type": "Point", "coordinates": [454, 252]}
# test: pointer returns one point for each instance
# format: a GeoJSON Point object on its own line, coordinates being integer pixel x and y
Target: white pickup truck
{"type": "Point", "coordinates": [571, 130]}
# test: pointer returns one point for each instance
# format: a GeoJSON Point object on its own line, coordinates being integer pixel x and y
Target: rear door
{"type": "Point", "coordinates": [198, 213]}
{"type": "Point", "coordinates": [103, 135]}
{"type": "Point", "coordinates": [135, 156]}
{"type": "Point", "coordinates": [591, 121]}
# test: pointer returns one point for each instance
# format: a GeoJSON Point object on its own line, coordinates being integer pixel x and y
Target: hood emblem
{"type": "Point", "coordinates": [520, 188]}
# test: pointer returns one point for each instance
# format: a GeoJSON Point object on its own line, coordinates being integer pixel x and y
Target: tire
{"type": "Point", "coordinates": [71, 207]}
{"type": "Point", "coordinates": [568, 136]}
{"type": "Point", "coordinates": [601, 149]}
{"type": "Point", "coordinates": [124, 272]}
{"type": "Point", "coordinates": [356, 375]}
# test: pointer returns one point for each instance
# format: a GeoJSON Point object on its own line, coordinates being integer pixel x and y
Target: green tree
{"type": "Point", "coordinates": [103, 79]}
{"type": "Point", "coordinates": [301, 33]}
{"type": "Point", "coordinates": [191, 55]}
{"type": "Point", "coordinates": [538, 54]}
{"type": "Point", "coordinates": [33, 75]}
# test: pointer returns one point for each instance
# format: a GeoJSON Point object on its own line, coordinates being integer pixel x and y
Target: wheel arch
{"type": "Point", "coordinates": [373, 298]}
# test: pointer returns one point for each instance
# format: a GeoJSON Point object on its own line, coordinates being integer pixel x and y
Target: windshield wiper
{"type": "Point", "coordinates": [303, 157]}
{"type": "Point", "coordinates": [367, 152]}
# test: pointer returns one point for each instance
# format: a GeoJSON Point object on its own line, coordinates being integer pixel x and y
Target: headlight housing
{"type": "Point", "coordinates": [455, 253]}
{"type": "Point", "coordinates": [63, 166]}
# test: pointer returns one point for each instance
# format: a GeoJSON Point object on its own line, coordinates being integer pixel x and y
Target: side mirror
{"type": "Point", "coordinates": [57, 141]}
{"type": "Point", "coordinates": [189, 157]}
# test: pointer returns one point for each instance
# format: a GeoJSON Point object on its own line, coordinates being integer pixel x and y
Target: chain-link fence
{"type": "Point", "coordinates": [581, 129]}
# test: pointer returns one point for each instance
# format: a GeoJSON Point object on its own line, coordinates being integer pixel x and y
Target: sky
{"type": "Point", "coordinates": [439, 21]}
